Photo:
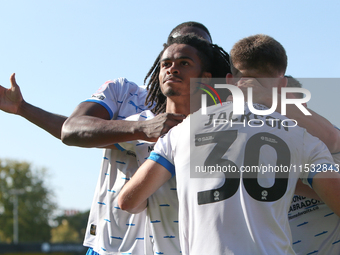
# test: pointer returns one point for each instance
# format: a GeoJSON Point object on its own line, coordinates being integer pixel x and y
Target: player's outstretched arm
{"type": "Point", "coordinates": [327, 186]}
{"type": "Point", "coordinates": [90, 126]}
{"type": "Point", "coordinates": [11, 101]}
{"type": "Point", "coordinates": [148, 178]}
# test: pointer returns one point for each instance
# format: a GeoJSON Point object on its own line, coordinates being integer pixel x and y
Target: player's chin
{"type": "Point", "coordinates": [170, 92]}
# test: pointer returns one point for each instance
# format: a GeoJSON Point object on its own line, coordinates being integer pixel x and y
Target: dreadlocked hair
{"type": "Point", "coordinates": [213, 58]}
{"type": "Point", "coordinates": [189, 24]}
{"type": "Point", "coordinates": [155, 95]}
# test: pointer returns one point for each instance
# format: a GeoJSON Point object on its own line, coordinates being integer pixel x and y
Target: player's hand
{"type": "Point", "coordinates": [11, 99]}
{"type": "Point", "coordinates": [160, 125]}
{"type": "Point", "coordinates": [261, 94]}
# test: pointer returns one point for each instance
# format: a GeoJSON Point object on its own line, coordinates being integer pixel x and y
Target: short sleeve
{"type": "Point", "coordinates": [121, 98]}
{"type": "Point", "coordinates": [164, 151]}
{"type": "Point", "coordinates": [318, 158]}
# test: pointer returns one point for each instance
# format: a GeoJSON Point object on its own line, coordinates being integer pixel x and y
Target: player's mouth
{"type": "Point", "coordinates": [172, 79]}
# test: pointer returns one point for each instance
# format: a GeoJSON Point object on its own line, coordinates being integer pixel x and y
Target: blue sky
{"type": "Point", "coordinates": [62, 51]}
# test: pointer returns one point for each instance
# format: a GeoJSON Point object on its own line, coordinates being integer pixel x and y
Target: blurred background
{"type": "Point", "coordinates": [62, 51]}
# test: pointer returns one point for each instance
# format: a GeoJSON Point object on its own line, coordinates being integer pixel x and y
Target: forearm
{"type": "Point", "coordinates": [133, 196]}
{"type": "Point", "coordinates": [88, 131]}
{"type": "Point", "coordinates": [327, 186]}
{"type": "Point", "coordinates": [314, 124]}
{"type": "Point", "coordinates": [317, 126]}
{"type": "Point", "coordinates": [147, 180]}
{"type": "Point", "coordinates": [50, 122]}
{"type": "Point", "coordinates": [90, 126]}
{"type": "Point", "coordinates": [138, 208]}
{"type": "Point", "coordinates": [305, 191]}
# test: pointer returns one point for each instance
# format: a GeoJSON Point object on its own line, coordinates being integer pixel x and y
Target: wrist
{"type": "Point", "coordinates": [138, 130]}
{"type": "Point", "coordinates": [22, 108]}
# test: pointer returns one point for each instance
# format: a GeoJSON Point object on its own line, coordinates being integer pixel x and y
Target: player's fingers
{"type": "Point", "coordinates": [178, 119]}
{"type": "Point", "coordinates": [170, 124]}
{"type": "Point", "coordinates": [174, 116]}
{"type": "Point", "coordinates": [248, 82]}
{"type": "Point", "coordinates": [178, 116]}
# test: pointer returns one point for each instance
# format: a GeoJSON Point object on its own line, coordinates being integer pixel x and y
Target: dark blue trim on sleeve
{"type": "Point", "coordinates": [103, 104]}
{"type": "Point", "coordinates": [162, 161]}
{"type": "Point", "coordinates": [311, 174]}
{"type": "Point", "coordinates": [310, 178]}
{"type": "Point", "coordinates": [119, 147]}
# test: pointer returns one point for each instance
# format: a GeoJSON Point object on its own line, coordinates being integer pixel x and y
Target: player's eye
{"type": "Point", "coordinates": [185, 63]}
{"type": "Point", "coordinates": [165, 64]}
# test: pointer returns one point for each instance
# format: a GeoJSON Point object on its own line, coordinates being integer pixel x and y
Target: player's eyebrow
{"type": "Point", "coordinates": [181, 57]}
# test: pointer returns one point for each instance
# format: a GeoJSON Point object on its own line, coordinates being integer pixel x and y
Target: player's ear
{"type": "Point", "coordinates": [230, 79]}
{"type": "Point", "coordinates": [206, 77]}
{"type": "Point", "coordinates": [283, 81]}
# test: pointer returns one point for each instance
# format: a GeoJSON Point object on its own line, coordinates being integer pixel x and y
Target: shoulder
{"type": "Point", "coordinates": [120, 84]}
{"type": "Point", "coordinates": [125, 84]}
{"type": "Point", "coordinates": [120, 90]}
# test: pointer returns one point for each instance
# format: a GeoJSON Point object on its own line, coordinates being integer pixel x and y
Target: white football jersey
{"type": "Point", "coordinates": [111, 230]}
{"type": "Point", "coordinates": [162, 236]}
{"type": "Point", "coordinates": [236, 176]}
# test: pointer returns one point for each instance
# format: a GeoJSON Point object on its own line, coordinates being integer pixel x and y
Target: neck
{"type": "Point", "coordinates": [176, 106]}
{"type": "Point", "coordinates": [180, 106]}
